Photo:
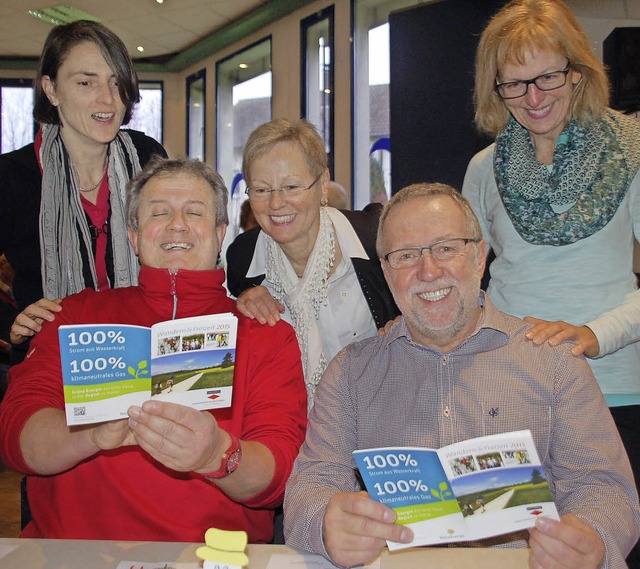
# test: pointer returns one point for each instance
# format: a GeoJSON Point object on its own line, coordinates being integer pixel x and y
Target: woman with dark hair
{"type": "Point", "coordinates": [558, 197]}
{"type": "Point", "coordinates": [62, 221]}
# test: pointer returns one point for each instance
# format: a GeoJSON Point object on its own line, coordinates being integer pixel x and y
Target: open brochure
{"type": "Point", "coordinates": [108, 367]}
{"type": "Point", "coordinates": [467, 491]}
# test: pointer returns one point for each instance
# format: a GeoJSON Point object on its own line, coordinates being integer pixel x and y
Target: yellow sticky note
{"type": "Point", "coordinates": [226, 540]}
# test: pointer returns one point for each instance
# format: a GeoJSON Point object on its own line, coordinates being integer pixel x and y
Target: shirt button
{"type": "Point", "coordinates": [446, 412]}
{"type": "Point", "coordinates": [344, 294]}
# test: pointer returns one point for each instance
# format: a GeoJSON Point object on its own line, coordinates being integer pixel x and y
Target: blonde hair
{"type": "Point", "coordinates": [524, 27]}
{"type": "Point", "coordinates": [299, 131]}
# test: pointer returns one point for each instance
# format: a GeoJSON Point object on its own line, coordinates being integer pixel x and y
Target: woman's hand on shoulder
{"type": "Point", "coordinates": [29, 322]}
{"type": "Point", "coordinates": [257, 302]}
{"type": "Point", "coordinates": [557, 332]}
{"type": "Point", "coordinates": [382, 331]}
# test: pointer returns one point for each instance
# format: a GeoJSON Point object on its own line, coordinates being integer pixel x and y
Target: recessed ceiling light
{"type": "Point", "coordinates": [61, 14]}
{"type": "Point", "coordinates": [140, 48]}
{"type": "Point", "coordinates": [159, 1]}
{"type": "Point", "coordinates": [243, 65]}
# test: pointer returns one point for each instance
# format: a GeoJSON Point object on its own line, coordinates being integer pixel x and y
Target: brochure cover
{"type": "Point", "coordinates": [106, 368]}
{"type": "Point", "coordinates": [467, 491]}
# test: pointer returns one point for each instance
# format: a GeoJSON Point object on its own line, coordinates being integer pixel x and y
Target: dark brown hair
{"type": "Point", "coordinates": [58, 43]}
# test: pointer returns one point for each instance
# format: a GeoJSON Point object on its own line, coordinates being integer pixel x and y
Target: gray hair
{"type": "Point", "coordinates": [416, 191]}
{"type": "Point", "coordinates": [162, 167]}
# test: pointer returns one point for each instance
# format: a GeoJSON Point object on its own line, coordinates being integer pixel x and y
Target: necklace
{"type": "Point", "coordinates": [87, 190]}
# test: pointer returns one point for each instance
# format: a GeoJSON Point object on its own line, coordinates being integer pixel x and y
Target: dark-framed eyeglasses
{"type": "Point", "coordinates": [545, 82]}
{"type": "Point", "coordinates": [261, 193]}
{"type": "Point", "coordinates": [441, 252]}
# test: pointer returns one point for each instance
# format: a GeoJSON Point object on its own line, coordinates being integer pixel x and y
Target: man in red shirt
{"type": "Point", "coordinates": [168, 472]}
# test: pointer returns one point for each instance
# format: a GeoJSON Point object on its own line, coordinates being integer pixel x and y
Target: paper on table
{"type": "Point", "coordinates": [157, 565]}
{"type": "Point", "coordinates": [306, 561]}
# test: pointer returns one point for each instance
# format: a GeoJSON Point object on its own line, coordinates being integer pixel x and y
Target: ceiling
{"type": "Point", "coordinates": [185, 27]}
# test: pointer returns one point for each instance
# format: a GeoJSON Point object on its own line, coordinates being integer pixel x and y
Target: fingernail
{"type": "Point", "coordinates": [150, 406]}
{"type": "Point", "coordinates": [134, 412]}
{"type": "Point", "coordinates": [406, 536]}
{"type": "Point", "coordinates": [542, 524]}
{"type": "Point", "coordinates": [389, 516]}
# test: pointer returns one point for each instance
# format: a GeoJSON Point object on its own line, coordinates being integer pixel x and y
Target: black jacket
{"type": "Point", "coordinates": [370, 276]}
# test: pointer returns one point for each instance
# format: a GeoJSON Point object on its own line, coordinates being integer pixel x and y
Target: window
{"type": "Point", "coordinates": [147, 114]}
{"type": "Point", "coordinates": [243, 103]}
{"type": "Point", "coordinates": [318, 75]}
{"type": "Point", "coordinates": [371, 125]}
{"type": "Point", "coordinates": [16, 114]}
{"type": "Point", "coordinates": [196, 115]}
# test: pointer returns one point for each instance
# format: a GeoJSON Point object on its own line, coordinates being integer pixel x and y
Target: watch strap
{"type": "Point", "coordinates": [229, 461]}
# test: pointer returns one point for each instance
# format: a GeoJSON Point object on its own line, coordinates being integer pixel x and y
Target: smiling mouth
{"type": "Point", "coordinates": [435, 295]}
{"type": "Point", "coordinates": [281, 219]}
{"type": "Point", "coordinates": [536, 113]}
{"type": "Point", "coordinates": [174, 246]}
{"type": "Point", "coordinates": [103, 117]}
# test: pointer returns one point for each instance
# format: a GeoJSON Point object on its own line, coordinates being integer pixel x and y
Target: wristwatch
{"type": "Point", "coordinates": [229, 462]}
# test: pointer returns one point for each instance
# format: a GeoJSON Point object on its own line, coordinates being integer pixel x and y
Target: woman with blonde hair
{"type": "Point", "coordinates": [314, 265]}
{"type": "Point", "coordinates": [558, 196]}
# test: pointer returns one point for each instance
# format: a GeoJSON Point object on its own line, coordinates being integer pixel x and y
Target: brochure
{"type": "Point", "coordinates": [106, 368]}
{"type": "Point", "coordinates": [467, 491]}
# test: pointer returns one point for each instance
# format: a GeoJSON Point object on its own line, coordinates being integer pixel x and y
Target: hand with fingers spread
{"type": "Point", "coordinates": [557, 332]}
{"type": "Point", "coordinates": [29, 321]}
{"type": "Point", "coordinates": [567, 544]}
{"type": "Point", "coordinates": [182, 438]}
{"type": "Point", "coordinates": [356, 528]}
{"type": "Point", "coordinates": [257, 303]}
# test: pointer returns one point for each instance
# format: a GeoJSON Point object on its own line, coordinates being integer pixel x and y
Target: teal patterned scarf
{"type": "Point", "coordinates": [591, 172]}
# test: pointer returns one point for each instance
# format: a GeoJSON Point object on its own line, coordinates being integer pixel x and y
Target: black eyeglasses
{"type": "Point", "coordinates": [288, 190]}
{"type": "Point", "coordinates": [545, 82]}
{"type": "Point", "coordinates": [442, 252]}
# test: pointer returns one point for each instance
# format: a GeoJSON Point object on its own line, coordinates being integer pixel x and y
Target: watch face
{"type": "Point", "coordinates": [234, 460]}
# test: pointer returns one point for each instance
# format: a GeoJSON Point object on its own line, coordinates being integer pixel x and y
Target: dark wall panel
{"type": "Point", "coordinates": [432, 50]}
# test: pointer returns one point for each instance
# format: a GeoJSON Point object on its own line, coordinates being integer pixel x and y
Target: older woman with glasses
{"type": "Point", "coordinates": [311, 264]}
{"type": "Point", "coordinates": [558, 195]}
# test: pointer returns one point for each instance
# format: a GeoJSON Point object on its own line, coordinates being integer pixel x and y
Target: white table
{"type": "Point", "coordinates": [78, 554]}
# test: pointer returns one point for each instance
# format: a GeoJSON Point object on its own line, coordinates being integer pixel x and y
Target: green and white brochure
{"type": "Point", "coordinates": [106, 368]}
{"type": "Point", "coordinates": [467, 491]}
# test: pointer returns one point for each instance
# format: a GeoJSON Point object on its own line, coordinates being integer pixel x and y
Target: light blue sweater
{"type": "Point", "coordinates": [588, 282]}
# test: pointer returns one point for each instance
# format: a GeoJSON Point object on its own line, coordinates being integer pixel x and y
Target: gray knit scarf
{"type": "Point", "coordinates": [63, 223]}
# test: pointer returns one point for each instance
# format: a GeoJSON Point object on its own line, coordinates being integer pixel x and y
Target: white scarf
{"type": "Point", "coordinates": [305, 296]}
{"type": "Point", "coordinates": [63, 222]}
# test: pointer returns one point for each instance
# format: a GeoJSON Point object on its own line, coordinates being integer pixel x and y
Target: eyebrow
{"type": "Point", "coordinates": [188, 202]}
{"type": "Point", "coordinates": [91, 74]}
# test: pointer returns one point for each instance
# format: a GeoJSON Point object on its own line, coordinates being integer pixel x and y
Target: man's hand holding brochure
{"type": "Point", "coordinates": [467, 491]}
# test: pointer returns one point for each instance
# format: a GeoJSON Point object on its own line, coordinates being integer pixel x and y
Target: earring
{"type": "Point", "coordinates": [324, 201]}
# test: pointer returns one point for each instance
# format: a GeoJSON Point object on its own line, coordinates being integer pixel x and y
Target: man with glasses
{"type": "Point", "coordinates": [452, 368]}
